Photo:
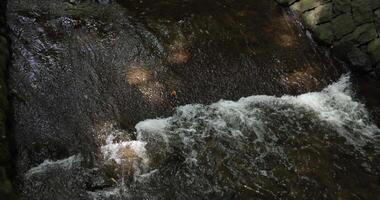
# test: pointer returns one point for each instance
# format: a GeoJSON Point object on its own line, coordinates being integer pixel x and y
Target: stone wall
{"type": "Point", "coordinates": [350, 27]}
{"type": "Point", "coordinates": [6, 191]}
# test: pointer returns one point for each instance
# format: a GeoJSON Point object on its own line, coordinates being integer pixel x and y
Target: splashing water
{"type": "Point", "coordinates": [261, 147]}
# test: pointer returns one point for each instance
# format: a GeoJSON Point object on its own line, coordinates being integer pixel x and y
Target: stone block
{"type": "Point", "coordinates": [377, 71]}
{"type": "Point", "coordinates": [342, 6]}
{"type": "Point", "coordinates": [375, 4]}
{"type": "Point", "coordinates": [286, 2]}
{"type": "Point", "coordinates": [359, 61]}
{"type": "Point", "coordinates": [377, 19]}
{"type": "Point", "coordinates": [343, 25]}
{"type": "Point", "coordinates": [374, 50]}
{"type": "Point", "coordinates": [324, 33]}
{"type": "Point", "coordinates": [320, 14]}
{"type": "Point", "coordinates": [362, 11]}
{"type": "Point", "coordinates": [304, 5]}
{"type": "Point", "coordinates": [364, 34]}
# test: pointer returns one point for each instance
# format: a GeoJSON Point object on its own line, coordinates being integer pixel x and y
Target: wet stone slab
{"type": "Point", "coordinates": [80, 65]}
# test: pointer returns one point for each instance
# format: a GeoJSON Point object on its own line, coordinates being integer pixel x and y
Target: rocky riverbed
{"type": "Point", "coordinates": [86, 75]}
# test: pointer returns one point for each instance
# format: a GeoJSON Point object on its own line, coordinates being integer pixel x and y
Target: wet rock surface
{"type": "Point", "coordinates": [81, 65]}
{"type": "Point", "coordinates": [78, 66]}
{"type": "Point", "coordinates": [6, 188]}
{"type": "Point", "coordinates": [352, 24]}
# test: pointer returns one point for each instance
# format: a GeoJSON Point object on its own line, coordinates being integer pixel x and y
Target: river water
{"type": "Point", "coordinates": [319, 145]}
{"type": "Point", "coordinates": [124, 100]}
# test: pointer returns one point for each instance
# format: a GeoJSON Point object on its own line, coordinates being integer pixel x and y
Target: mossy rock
{"type": "Point", "coordinates": [304, 5]}
{"type": "Point", "coordinates": [359, 60]}
{"type": "Point", "coordinates": [374, 50]}
{"type": "Point", "coordinates": [320, 14]}
{"type": "Point", "coordinates": [377, 71]}
{"type": "Point", "coordinates": [343, 6]}
{"type": "Point", "coordinates": [377, 19]}
{"type": "Point", "coordinates": [375, 4]}
{"type": "Point", "coordinates": [343, 25]}
{"type": "Point", "coordinates": [324, 33]}
{"type": "Point", "coordinates": [364, 34]}
{"type": "Point", "coordinates": [362, 11]}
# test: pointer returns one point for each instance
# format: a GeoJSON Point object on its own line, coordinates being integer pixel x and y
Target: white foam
{"type": "Point", "coordinates": [66, 163]}
{"type": "Point", "coordinates": [336, 106]}
{"type": "Point", "coordinates": [189, 129]}
{"type": "Point", "coordinates": [153, 127]}
{"type": "Point", "coordinates": [107, 194]}
{"type": "Point", "coordinates": [112, 150]}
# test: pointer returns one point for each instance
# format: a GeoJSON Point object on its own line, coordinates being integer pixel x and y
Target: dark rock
{"type": "Point", "coordinates": [3, 62]}
{"type": "Point", "coordinates": [375, 4]}
{"type": "Point", "coordinates": [343, 6]}
{"type": "Point", "coordinates": [364, 34]}
{"type": "Point", "coordinates": [61, 179]}
{"type": "Point", "coordinates": [362, 11]}
{"type": "Point", "coordinates": [99, 179]}
{"type": "Point", "coordinates": [6, 189]}
{"type": "Point", "coordinates": [374, 50]}
{"type": "Point", "coordinates": [3, 40]}
{"type": "Point", "coordinates": [4, 50]}
{"type": "Point", "coordinates": [377, 19]}
{"type": "Point", "coordinates": [377, 71]}
{"type": "Point", "coordinates": [356, 58]}
{"type": "Point", "coordinates": [343, 25]}
{"type": "Point", "coordinates": [359, 60]}
{"type": "Point", "coordinates": [324, 33]}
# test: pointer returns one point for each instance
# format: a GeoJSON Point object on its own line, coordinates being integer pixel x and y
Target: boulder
{"type": "Point", "coordinates": [343, 25]}
{"type": "Point", "coordinates": [362, 11]}
{"type": "Point", "coordinates": [377, 71]}
{"type": "Point", "coordinates": [374, 50]}
{"type": "Point", "coordinates": [343, 6]}
{"type": "Point", "coordinates": [359, 60]}
{"type": "Point", "coordinates": [375, 4]}
{"type": "Point", "coordinates": [304, 5]}
{"type": "Point", "coordinates": [377, 19]}
{"type": "Point", "coordinates": [364, 34]}
{"type": "Point", "coordinates": [324, 33]}
{"type": "Point", "coordinates": [320, 14]}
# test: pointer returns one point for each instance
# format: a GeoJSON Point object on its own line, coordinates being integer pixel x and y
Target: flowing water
{"type": "Point", "coordinates": [320, 145]}
{"type": "Point", "coordinates": [87, 75]}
